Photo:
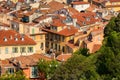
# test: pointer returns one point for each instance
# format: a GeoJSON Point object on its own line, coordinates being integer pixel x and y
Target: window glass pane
{"type": "Point", "coordinates": [6, 50]}
{"type": "Point", "coordinates": [30, 49]}
{"type": "Point", "coordinates": [15, 49]}
{"type": "Point", "coordinates": [10, 70]}
{"type": "Point", "coordinates": [23, 49]}
{"type": "Point", "coordinates": [34, 71]}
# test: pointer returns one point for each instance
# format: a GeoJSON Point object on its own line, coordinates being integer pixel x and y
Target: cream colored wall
{"type": "Point", "coordinates": [4, 55]}
{"type": "Point", "coordinates": [115, 8]}
{"type": "Point", "coordinates": [4, 18]}
{"type": "Point", "coordinates": [21, 28]}
{"type": "Point", "coordinates": [40, 40]}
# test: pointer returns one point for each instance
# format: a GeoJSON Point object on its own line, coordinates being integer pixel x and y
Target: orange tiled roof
{"type": "Point", "coordinates": [114, 0]}
{"type": "Point", "coordinates": [58, 23]}
{"type": "Point", "coordinates": [11, 35]}
{"type": "Point", "coordinates": [24, 61]}
{"type": "Point", "coordinates": [73, 11]}
{"type": "Point", "coordinates": [64, 57]}
{"type": "Point", "coordinates": [68, 31]}
{"type": "Point", "coordinates": [99, 1]}
{"type": "Point", "coordinates": [54, 6]}
{"type": "Point", "coordinates": [96, 47]}
{"type": "Point", "coordinates": [79, 3]}
{"type": "Point", "coordinates": [82, 17]}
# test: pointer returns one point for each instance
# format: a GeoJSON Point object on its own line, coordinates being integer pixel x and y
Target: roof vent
{"type": "Point", "coordinates": [5, 39]}
{"type": "Point", "coordinates": [22, 37]}
{"type": "Point", "coordinates": [16, 39]}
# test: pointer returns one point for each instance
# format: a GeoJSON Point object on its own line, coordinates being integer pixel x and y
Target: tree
{"type": "Point", "coordinates": [78, 67]}
{"type": "Point", "coordinates": [46, 68]}
{"type": "Point", "coordinates": [113, 25]}
{"type": "Point", "coordinates": [16, 76]}
{"type": "Point", "coordinates": [83, 51]}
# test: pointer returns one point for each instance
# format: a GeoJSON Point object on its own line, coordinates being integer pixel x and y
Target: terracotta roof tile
{"type": "Point", "coordinates": [79, 3]}
{"type": "Point", "coordinates": [54, 6]}
{"type": "Point", "coordinates": [68, 31]}
{"type": "Point", "coordinates": [114, 0]}
{"type": "Point", "coordinates": [96, 47]}
{"type": "Point", "coordinates": [26, 61]}
{"type": "Point", "coordinates": [10, 36]}
{"type": "Point", "coordinates": [64, 57]}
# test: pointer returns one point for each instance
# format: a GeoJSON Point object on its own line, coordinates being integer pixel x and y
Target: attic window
{"type": "Point", "coordinates": [84, 23]}
{"type": "Point", "coordinates": [22, 38]}
{"type": "Point", "coordinates": [16, 39]}
{"type": "Point", "coordinates": [88, 19]}
{"type": "Point", "coordinates": [5, 39]}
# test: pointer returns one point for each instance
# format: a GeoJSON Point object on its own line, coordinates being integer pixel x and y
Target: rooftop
{"type": "Point", "coordinates": [12, 38]}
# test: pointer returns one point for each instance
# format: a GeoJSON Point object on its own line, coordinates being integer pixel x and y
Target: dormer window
{"type": "Point", "coordinates": [87, 19]}
{"type": "Point", "coordinates": [84, 23]}
{"type": "Point", "coordinates": [5, 39]}
{"type": "Point", "coordinates": [16, 39]}
{"type": "Point", "coordinates": [22, 38]}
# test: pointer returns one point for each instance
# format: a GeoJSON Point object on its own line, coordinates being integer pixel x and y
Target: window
{"type": "Point", "coordinates": [47, 44]}
{"type": "Point", "coordinates": [15, 49]}
{"type": "Point", "coordinates": [63, 38]}
{"type": "Point", "coordinates": [30, 49]}
{"type": "Point", "coordinates": [42, 45]}
{"type": "Point", "coordinates": [10, 70]}
{"type": "Point", "coordinates": [6, 50]}
{"type": "Point", "coordinates": [23, 49]}
{"type": "Point", "coordinates": [33, 31]}
{"type": "Point", "coordinates": [34, 71]}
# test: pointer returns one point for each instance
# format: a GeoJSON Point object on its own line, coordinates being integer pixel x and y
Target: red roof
{"type": "Point", "coordinates": [24, 61]}
{"type": "Point", "coordinates": [82, 17]}
{"type": "Point", "coordinates": [68, 31]}
{"type": "Point", "coordinates": [58, 23]}
{"type": "Point", "coordinates": [79, 3]}
{"type": "Point", "coordinates": [64, 57]}
{"type": "Point", "coordinates": [11, 37]}
{"type": "Point", "coordinates": [96, 47]}
{"type": "Point", "coordinates": [114, 0]}
{"type": "Point", "coordinates": [54, 6]}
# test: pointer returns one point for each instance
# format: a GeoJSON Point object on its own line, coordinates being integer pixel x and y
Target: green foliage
{"type": "Point", "coordinates": [47, 67]}
{"type": "Point", "coordinates": [104, 65]}
{"type": "Point", "coordinates": [16, 76]}
{"type": "Point", "coordinates": [108, 60]}
{"type": "Point", "coordinates": [76, 68]}
{"type": "Point", "coordinates": [83, 51]}
{"type": "Point", "coordinates": [113, 25]}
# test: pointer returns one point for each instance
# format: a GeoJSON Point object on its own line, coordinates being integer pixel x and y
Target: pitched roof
{"type": "Point", "coordinates": [64, 57]}
{"type": "Point", "coordinates": [54, 6]}
{"type": "Point", "coordinates": [24, 61]}
{"type": "Point", "coordinates": [11, 38]}
{"type": "Point", "coordinates": [96, 47]}
{"type": "Point", "coordinates": [68, 31]}
{"type": "Point", "coordinates": [58, 23]}
{"type": "Point", "coordinates": [114, 0]}
{"type": "Point", "coordinates": [79, 3]}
